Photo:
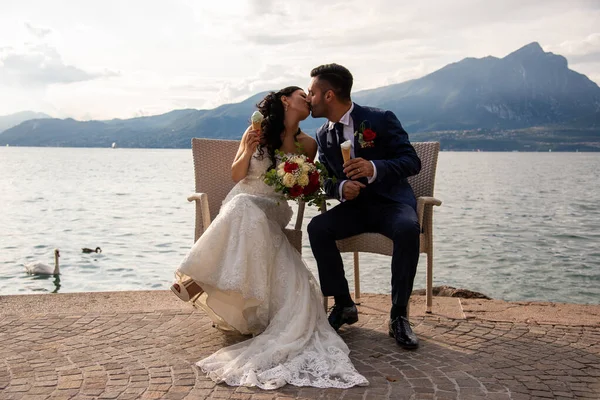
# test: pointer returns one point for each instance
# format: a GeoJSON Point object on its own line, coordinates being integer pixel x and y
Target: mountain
{"type": "Point", "coordinates": [8, 121]}
{"type": "Point", "coordinates": [527, 100]}
{"type": "Point", "coordinates": [527, 88]}
{"type": "Point", "coordinates": [171, 130]}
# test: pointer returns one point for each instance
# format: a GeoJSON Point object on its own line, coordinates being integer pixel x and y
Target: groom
{"type": "Point", "coordinates": [373, 190]}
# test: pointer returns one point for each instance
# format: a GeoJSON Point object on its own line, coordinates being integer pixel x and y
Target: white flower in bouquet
{"type": "Point", "coordinates": [298, 160]}
{"type": "Point", "coordinates": [289, 180]}
{"type": "Point", "coordinates": [303, 180]}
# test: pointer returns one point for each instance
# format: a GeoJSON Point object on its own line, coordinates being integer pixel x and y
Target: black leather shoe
{"type": "Point", "coordinates": [401, 331]}
{"type": "Point", "coordinates": [342, 315]}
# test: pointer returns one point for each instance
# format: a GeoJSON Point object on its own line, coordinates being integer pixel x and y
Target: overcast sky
{"type": "Point", "coordinates": [124, 58]}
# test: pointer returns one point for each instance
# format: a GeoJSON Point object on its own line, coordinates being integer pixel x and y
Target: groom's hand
{"type": "Point", "coordinates": [351, 189]}
{"type": "Point", "coordinates": [357, 168]}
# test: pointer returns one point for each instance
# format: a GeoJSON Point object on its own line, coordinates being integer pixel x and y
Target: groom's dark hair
{"type": "Point", "coordinates": [337, 78]}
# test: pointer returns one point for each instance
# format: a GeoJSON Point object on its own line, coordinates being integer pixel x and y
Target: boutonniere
{"type": "Point", "coordinates": [366, 136]}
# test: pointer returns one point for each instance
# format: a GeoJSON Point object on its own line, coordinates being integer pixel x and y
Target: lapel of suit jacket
{"type": "Point", "coordinates": [357, 119]}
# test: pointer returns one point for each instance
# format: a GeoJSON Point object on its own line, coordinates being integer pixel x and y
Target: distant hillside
{"type": "Point", "coordinates": [8, 121]}
{"type": "Point", "coordinates": [528, 100]}
{"type": "Point", "coordinates": [171, 130]}
{"type": "Point", "coordinates": [527, 88]}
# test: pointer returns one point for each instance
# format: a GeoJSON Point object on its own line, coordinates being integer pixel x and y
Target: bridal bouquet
{"type": "Point", "coordinates": [298, 178]}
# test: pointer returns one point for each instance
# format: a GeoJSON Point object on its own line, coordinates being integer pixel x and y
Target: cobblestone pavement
{"type": "Point", "coordinates": [99, 352]}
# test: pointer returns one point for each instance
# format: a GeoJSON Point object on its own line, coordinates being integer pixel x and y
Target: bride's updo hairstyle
{"type": "Point", "coordinates": [272, 126]}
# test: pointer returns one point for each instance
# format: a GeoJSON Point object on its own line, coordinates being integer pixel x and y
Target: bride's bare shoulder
{"type": "Point", "coordinates": [308, 143]}
{"type": "Point", "coordinates": [302, 136]}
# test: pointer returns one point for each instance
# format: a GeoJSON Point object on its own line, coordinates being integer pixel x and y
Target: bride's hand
{"type": "Point", "coordinates": [248, 144]}
{"type": "Point", "coordinates": [251, 140]}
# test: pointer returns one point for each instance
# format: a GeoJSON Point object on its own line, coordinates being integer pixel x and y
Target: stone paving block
{"type": "Point", "coordinates": [151, 353]}
{"type": "Point", "coordinates": [247, 396]}
{"type": "Point", "coordinates": [153, 394]}
{"type": "Point", "coordinates": [498, 396]}
{"type": "Point", "coordinates": [199, 394]}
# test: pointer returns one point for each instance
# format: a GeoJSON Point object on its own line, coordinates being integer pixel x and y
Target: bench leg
{"type": "Point", "coordinates": [429, 287]}
{"type": "Point", "coordinates": [356, 279]}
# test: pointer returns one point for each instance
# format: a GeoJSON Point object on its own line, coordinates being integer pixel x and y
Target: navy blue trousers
{"type": "Point", "coordinates": [367, 213]}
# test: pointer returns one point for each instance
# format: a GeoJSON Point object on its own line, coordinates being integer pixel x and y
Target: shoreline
{"type": "Point", "coordinates": [148, 301]}
{"type": "Point", "coordinates": [466, 150]}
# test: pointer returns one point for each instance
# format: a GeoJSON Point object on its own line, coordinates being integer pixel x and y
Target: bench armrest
{"type": "Point", "coordinates": [425, 201]}
{"type": "Point", "coordinates": [202, 212]}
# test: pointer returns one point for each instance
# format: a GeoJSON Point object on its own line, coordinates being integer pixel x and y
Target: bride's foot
{"type": "Point", "coordinates": [186, 290]}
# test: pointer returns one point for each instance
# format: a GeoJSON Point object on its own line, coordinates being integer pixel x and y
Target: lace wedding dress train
{"type": "Point", "coordinates": [255, 282]}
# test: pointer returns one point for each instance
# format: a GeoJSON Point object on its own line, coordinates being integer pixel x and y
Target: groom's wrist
{"type": "Point", "coordinates": [372, 178]}
{"type": "Point", "coordinates": [341, 191]}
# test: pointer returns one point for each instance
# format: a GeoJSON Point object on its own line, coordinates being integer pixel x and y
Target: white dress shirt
{"type": "Point", "coordinates": [348, 132]}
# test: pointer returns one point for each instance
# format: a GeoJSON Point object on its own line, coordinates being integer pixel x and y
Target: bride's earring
{"type": "Point", "coordinates": [285, 107]}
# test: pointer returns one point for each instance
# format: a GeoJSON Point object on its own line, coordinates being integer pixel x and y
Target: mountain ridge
{"type": "Point", "coordinates": [11, 120]}
{"type": "Point", "coordinates": [529, 92]}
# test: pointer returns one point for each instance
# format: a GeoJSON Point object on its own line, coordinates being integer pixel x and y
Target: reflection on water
{"type": "Point", "coordinates": [56, 283]}
{"type": "Point", "coordinates": [40, 287]}
{"type": "Point", "coordinates": [515, 226]}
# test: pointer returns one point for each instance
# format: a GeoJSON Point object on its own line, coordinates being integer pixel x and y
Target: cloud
{"type": "Point", "coordinates": [37, 31]}
{"type": "Point", "coordinates": [37, 64]}
{"type": "Point", "coordinates": [197, 93]}
{"type": "Point", "coordinates": [364, 37]}
{"type": "Point", "coordinates": [350, 37]}
{"type": "Point", "coordinates": [194, 87]}
{"type": "Point", "coordinates": [275, 38]}
{"type": "Point", "coordinates": [585, 58]}
{"type": "Point", "coordinates": [337, 24]}
{"type": "Point", "coordinates": [260, 8]}
{"type": "Point", "coordinates": [225, 51]}
{"type": "Point", "coordinates": [270, 77]}
{"type": "Point", "coordinates": [402, 75]}
{"type": "Point", "coordinates": [41, 65]}
{"type": "Point", "coordinates": [582, 51]}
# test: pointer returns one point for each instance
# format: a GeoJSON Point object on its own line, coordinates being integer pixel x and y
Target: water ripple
{"type": "Point", "coordinates": [516, 226]}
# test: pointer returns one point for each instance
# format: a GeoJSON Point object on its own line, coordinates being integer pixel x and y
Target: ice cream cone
{"type": "Point", "coordinates": [346, 147]}
{"type": "Point", "coordinates": [256, 119]}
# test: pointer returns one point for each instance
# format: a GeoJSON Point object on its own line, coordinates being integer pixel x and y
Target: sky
{"type": "Point", "coordinates": [126, 58]}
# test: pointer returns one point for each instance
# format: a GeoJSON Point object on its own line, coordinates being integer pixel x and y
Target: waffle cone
{"type": "Point", "coordinates": [346, 154]}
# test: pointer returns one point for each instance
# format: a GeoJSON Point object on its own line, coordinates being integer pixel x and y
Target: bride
{"type": "Point", "coordinates": [248, 278]}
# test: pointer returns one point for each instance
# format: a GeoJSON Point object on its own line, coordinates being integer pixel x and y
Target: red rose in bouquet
{"type": "Point", "coordinates": [290, 167]}
{"type": "Point", "coordinates": [296, 191]}
{"type": "Point", "coordinates": [314, 183]}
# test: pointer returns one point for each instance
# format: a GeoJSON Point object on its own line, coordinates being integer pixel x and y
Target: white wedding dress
{"type": "Point", "coordinates": [255, 282]}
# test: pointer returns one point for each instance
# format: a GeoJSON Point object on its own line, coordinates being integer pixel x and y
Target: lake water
{"type": "Point", "coordinates": [515, 226]}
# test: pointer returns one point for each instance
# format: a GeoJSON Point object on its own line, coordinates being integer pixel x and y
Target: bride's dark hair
{"type": "Point", "coordinates": [272, 126]}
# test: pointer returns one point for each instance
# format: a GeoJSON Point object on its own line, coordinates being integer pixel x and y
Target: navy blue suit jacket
{"type": "Point", "coordinates": [393, 155]}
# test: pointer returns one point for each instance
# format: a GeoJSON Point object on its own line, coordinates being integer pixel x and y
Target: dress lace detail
{"type": "Point", "coordinates": [255, 282]}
